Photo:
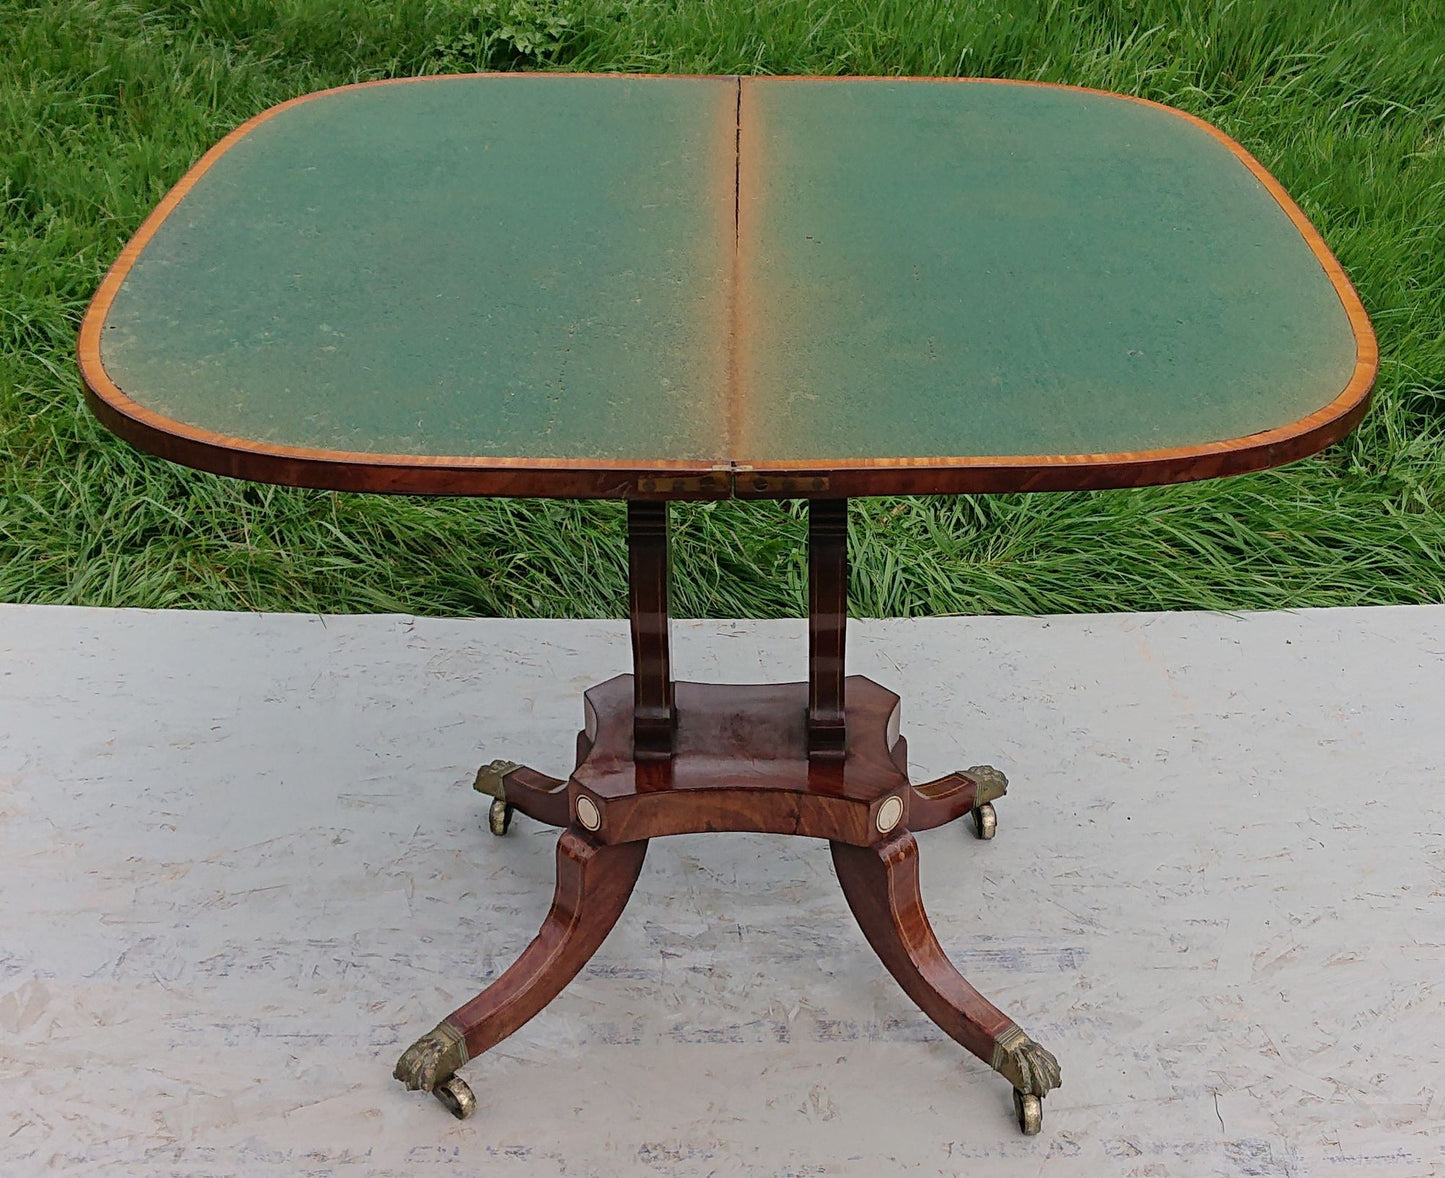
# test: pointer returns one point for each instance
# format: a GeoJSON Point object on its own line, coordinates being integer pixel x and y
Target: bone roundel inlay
{"type": "Point", "coordinates": [889, 814]}
{"type": "Point", "coordinates": [588, 814]}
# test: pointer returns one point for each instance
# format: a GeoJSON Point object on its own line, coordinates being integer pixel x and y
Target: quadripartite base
{"type": "Point", "coordinates": [740, 762]}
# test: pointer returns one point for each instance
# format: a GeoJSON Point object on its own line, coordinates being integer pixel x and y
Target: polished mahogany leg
{"type": "Point", "coordinates": [956, 794]}
{"type": "Point", "coordinates": [881, 886]}
{"type": "Point", "coordinates": [515, 787]}
{"type": "Point", "coordinates": [593, 886]}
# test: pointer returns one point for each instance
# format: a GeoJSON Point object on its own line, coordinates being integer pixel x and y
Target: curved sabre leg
{"type": "Point", "coordinates": [593, 886]}
{"type": "Point", "coordinates": [515, 787]}
{"type": "Point", "coordinates": [938, 802]}
{"type": "Point", "coordinates": [881, 885]}
{"type": "Point", "coordinates": [956, 794]}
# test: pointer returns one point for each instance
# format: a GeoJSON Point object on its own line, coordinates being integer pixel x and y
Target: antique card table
{"type": "Point", "coordinates": [659, 289]}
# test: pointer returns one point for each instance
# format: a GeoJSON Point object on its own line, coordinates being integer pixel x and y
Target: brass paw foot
{"type": "Point", "coordinates": [989, 785]}
{"type": "Point", "coordinates": [1024, 1064]}
{"type": "Point", "coordinates": [1032, 1070]}
{"type": "Point", "coordinates": [432, 1059]}
{"type": "Point", "coordinates": [489, 778]}
{"type": "Point", "coordinates": [490, 781]}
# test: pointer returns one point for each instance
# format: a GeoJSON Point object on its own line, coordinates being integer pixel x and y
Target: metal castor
{"type": "Point", "coordinates": [1030, 1110]}
{"type": "Point", "coordinates": [499, 817]}
{"type": "Point", "coordinates": [985, 821]}
{"type": "Point", "coordinates": [456, 1096]}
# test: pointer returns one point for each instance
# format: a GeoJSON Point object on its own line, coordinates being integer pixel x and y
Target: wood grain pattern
{"type": "Point", "coordinates": [880, 883]}
{"type": "Point", "coordinates": [741, 762]}
{"type": "Point", "coordinates": [827, 625]}
{"type": "Point", "coordinates": [649, 569]}
{"type": "Point", "coordinates": [941, 801]}
{"type": "Point", "coordinates": [537, 796]}
{"type": "Point", "coordinates": [593, 886]}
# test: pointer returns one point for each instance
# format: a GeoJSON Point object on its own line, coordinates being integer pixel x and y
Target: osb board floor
{"type": "Point", "coordinates": [242, 868]}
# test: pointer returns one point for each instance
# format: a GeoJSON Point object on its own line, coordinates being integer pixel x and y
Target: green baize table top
{"type": "Point", "coordinates": [694, 275]}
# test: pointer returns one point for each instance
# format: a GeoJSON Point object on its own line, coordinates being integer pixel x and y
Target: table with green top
{"type": "Point", "coordinates": [668, 288]}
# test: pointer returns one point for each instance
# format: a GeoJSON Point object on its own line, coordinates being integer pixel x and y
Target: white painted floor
{"type": "Point", "coordinates": [242, 867]}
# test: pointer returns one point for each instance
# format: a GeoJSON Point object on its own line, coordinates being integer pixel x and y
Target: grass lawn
{"type": "Point", "coordinates": [104, 104]}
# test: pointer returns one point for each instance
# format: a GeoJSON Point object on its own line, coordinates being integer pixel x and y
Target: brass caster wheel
{"type": "Point", "coordinates": [457, 1098]}
{"type": "Point", "coordinates": [1030, 1110]}
{"type": "Point", "coordinates": [985, 821]}
{"type": "Point", "coordinates": [499, 818]}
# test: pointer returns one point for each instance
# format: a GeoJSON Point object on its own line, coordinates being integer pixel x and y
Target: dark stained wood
{"type": "Point", "coordinates": [400, 474]}
{"type": "Point", "coordinates": [536, 795]}
{"type": "Point", "coordinates": [649, 568]}
{"type": "Point", "coordinates": [941, 801]}
{"type": "Point", "coordinates": [819, 758]}
{"type": "Point", "coordinates": [881, 885]}
{"type": "Point", "coordinates": [1063, 472]}
{"type": "Point", "coordinates": [742, 763]}
{"type": "Point", "coordinates": [593, 886]}
{"type": "Point", "coordinates": [827, 625]}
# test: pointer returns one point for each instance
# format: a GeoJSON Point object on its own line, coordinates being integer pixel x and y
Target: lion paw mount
{"type": "Point", "coordinates": [1031, 1069]}
{"type": "Point", "coordinates": [433, 1058]}
{"type": "Point", "coordinates": [989, 784]}
{"type": "Point", "coordinates": [490, 777]}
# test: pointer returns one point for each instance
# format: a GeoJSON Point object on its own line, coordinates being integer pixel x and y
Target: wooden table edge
{"type": "Point", "coordinates": [1060, 472]}
{"type": "Point", "coordinates": [407, 474]}
{"type": "Point", "coordinates": [677, 480]}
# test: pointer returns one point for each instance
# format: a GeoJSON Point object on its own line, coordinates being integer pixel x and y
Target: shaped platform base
{"type": "Point", "coordinates": [740, 761]}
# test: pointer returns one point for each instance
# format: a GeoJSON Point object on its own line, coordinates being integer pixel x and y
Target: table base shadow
{"type": "Point", "coordinates": [740, 762]}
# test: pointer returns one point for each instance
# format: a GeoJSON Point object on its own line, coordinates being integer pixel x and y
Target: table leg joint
{"type": "Point", "coordinates": [512, 786]}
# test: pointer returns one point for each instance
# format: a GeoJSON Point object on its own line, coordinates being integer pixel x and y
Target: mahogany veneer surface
{"type": "Point", "coordinates": [740, 762]}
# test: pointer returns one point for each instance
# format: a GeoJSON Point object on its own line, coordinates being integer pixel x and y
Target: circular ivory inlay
{"type": "Point", "coordinates": [591, 817]}
{"type": "Point", "coordinates": [889, 813]}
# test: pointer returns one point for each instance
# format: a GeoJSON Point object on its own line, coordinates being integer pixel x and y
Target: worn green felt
{"type": "Point", "coordinates": [984, 269]}
{"type": "Point", "coordinates": [515, 266]}
{"type": "Point", "coordinates": [545, 266]}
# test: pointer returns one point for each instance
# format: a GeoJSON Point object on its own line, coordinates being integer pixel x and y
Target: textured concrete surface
{"type": "Point", "coordinates": [242, 868]}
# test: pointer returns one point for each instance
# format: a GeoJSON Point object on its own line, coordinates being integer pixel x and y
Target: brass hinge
{"type": "Point", "coordinates": [781, 485]}
{"type": "Point", "coordinates": [684, 485]}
